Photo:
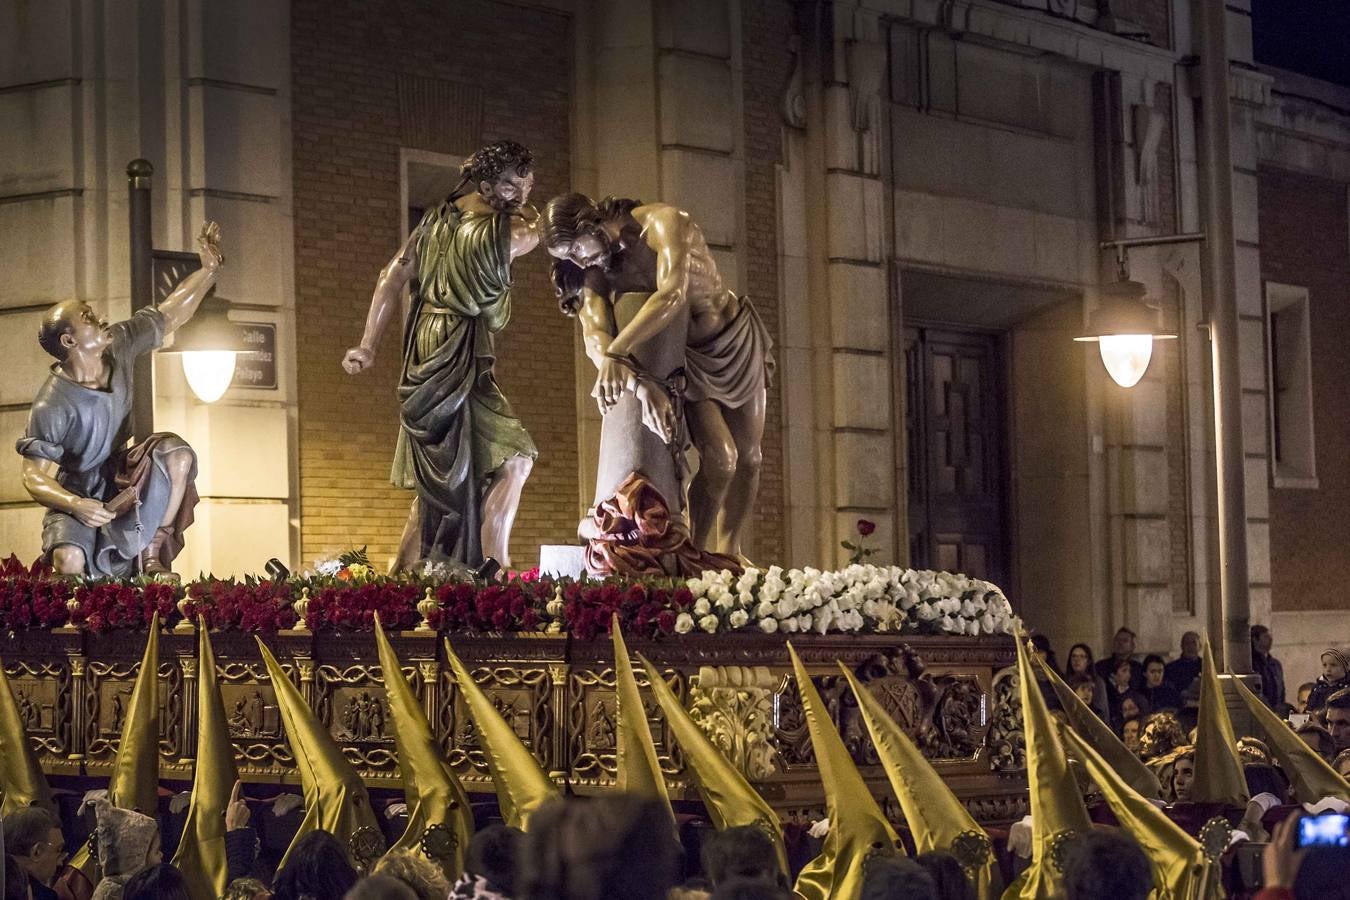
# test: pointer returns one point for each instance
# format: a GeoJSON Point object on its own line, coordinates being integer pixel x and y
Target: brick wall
{"type": "Point", "coordinates": [347, 57]}
{"type": "Point", "coordinates": [766, 25]}
{"type": "Point", "coordinates": [1303, 242]}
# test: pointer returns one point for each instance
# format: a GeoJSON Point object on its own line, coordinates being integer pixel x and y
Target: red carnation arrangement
{"type": "Point", "coordinates": [352, 606]}
{"type": "Point", "coordinates": [251, 605]}
{"type": "Point", "coordinates": [103, 606]}
{"type": "Point", "coordinates": [31, 597]}
{"type": "Point", "coordinates": [517, 605]}
{"type": "Point", "coordinates": [644, 610]}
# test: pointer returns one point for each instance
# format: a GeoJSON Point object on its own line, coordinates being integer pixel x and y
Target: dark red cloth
{"type": "Point", "coordinates": [639, 536]}
{"type": "Point", "coordinates": [133, 469]}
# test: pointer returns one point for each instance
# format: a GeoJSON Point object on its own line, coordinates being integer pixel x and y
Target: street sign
{"type": "Point", "coordinates": [258, 367]}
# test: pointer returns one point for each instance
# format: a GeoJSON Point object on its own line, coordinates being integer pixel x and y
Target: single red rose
{"type": "Point", "coordinates": [866, 527]}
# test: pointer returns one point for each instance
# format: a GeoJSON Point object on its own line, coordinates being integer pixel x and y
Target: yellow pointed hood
{"type": "Point", "coordinates": [639, 769]}
{"type": "Point", "coordinates": [21, 777]}
{"type": "Point", "coordinates": [201, 851]}
{"type": "Point", "coordinates": [1310, 774]}
{"type": "Point", "coordinates": [936, 818]}
{"type": "Point", "coordinates": [858, 828]}
{"type": "Point", "coordinates": [1181, 870]}
{"type": "Point", "coordinates": [134, 783]}
{"type": "Point", "coordinates": [1218, 772]}
{"type": "Point", "coordinates": [1056, 804]}
{"type": "Point", "coordinates": [335, 797]}
{"type": "Point", "coordinates": [522, 786]}
{"type": "Point", "coordinates": [1092, 729]}
{"type": "Point", "coordinates": [726, 793]}
{"type": "Point", "coordinates": [436, 800]}
{"type": "Point", "coordinates": [135, 778]}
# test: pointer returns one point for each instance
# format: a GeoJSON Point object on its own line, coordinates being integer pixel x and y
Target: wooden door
{"type": "Point", "coordinates": [955, 427]}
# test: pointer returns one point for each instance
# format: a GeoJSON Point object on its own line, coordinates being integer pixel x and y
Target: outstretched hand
{"type": "Point", "coordinates": [208, 246]}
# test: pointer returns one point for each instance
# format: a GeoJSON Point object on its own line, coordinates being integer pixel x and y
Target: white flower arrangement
{"type": "Point", "coordinates": [859, 598]}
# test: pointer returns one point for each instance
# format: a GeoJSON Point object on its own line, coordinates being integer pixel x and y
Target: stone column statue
{"type": "Point", "coordinates": [460, 445]}
{"type": "Point", "coordinates": [113, 509]}
{"type": "Point", "coordinates": [603, 253]}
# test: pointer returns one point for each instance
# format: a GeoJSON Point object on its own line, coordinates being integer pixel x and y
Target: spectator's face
{"type": "Point", "coordinates": [1264, 642]}
{"type": "Point", "coordinates": [1190, 645]}
{"type": "Point", "coordinates": [47, 857]}
{"type": "Point", "coordinates": [1078, 660]}
{"type": "Point", "coordinates": [1303, 695]}
{"type": "Point", "coordinates": [1343, 767]}
{"type": "Point", "coordinates": [1122, 676]}
{"type": "Point", "coordinates": [1130, 734]}
{"type": "Point", "coordinates": [1123, 644]}
{"type": "Point", "coordinates": [1182, 778]}
{"type": "Point", "coordinates": [1085, 692]}
{"type": "Point", "coordinates": [1128, 708]}
{"type": "Point", "coordinates": [1154, 674]}
{"type": "Point", "coordinates": [1332, 670]}
{"type": "Point", "coordinates": [155, 856]}
{"type": "Point", "coordinates": [1338, 723]}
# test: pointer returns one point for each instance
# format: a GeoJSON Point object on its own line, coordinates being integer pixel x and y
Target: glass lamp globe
{"type": "Point", "coordinates": [1124, 328]}
{"type": "Point", "coordinates": [209, 372]}
{"type": "Point", "coordinates": [209, 344]}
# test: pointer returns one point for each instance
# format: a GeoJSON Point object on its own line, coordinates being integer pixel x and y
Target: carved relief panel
{"type": "Point", "coordinates": [521, 697]}
{"type": "Point", "coordinates": [592, 724]}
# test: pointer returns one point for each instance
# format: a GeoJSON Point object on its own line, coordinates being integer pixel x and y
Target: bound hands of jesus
{"type": "Point", "coordinates": [611, 382]}
{"type": "Point", "coordinates": [658, 413]}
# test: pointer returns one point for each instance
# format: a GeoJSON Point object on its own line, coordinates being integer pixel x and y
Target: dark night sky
{"type": "Point", "coordinates": [1311, 37]}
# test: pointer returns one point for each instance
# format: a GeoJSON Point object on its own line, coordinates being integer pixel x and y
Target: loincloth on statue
{"type": "Point", "coordinates": [113, 549]}
{"type": "Point", "coordinates": [733, 366]}
{"type": "Point", "coordinates": [638, 535]}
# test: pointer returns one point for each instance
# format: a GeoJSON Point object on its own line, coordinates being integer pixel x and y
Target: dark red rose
{"type": "Point", "coordinates": [866, 527]}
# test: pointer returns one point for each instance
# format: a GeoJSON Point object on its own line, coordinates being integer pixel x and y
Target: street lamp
{"type": "Point", "coordinates": [1124, 327]}
{"type": "Point", "coordinates": [209, 344]}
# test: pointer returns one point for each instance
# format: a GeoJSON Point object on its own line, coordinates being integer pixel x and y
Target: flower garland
{"type": "Point", "coordinates": [31, 597]}
{"type": "Point", "coordinates": [860, 598]}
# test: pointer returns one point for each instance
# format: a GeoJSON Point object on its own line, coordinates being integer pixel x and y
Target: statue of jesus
{"type": "Point", "coordinates": [619, 247]}
{"type": "Point", "coordinates": [460, 445]}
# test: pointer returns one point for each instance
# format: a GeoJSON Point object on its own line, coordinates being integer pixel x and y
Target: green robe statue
{"type": "Point", "coordinates": [456, 427]}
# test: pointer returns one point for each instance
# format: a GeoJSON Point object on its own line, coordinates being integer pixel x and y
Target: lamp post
{"type": "Point", "coordinates": [1131, 324]}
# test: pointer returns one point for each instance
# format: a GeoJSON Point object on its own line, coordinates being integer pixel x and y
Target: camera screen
{"type": "Point", "coordinates": [1325, 830]}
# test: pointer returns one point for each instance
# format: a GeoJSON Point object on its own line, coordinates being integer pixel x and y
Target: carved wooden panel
{"type": "Point", "coordinates": [43, 692]}
{"type": "Point", "coordinates": [519, 694]}
{"type": "Point", "coordinates": [253, 717]}
{"type": "Point", "coordinates": [108, 688]}
{"type": "Point", "coordinates": [591, 726]}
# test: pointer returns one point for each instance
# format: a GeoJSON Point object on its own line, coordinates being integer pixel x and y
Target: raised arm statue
{"type": "Point", "coordinates": [112, 509]}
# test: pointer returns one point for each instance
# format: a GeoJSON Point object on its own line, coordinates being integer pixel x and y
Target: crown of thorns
{"type": "Point", "coordinates": [490, 162]}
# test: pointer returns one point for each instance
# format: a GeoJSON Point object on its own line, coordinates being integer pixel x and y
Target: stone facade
{"type": "Point", "coordinates": [860, 168]}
